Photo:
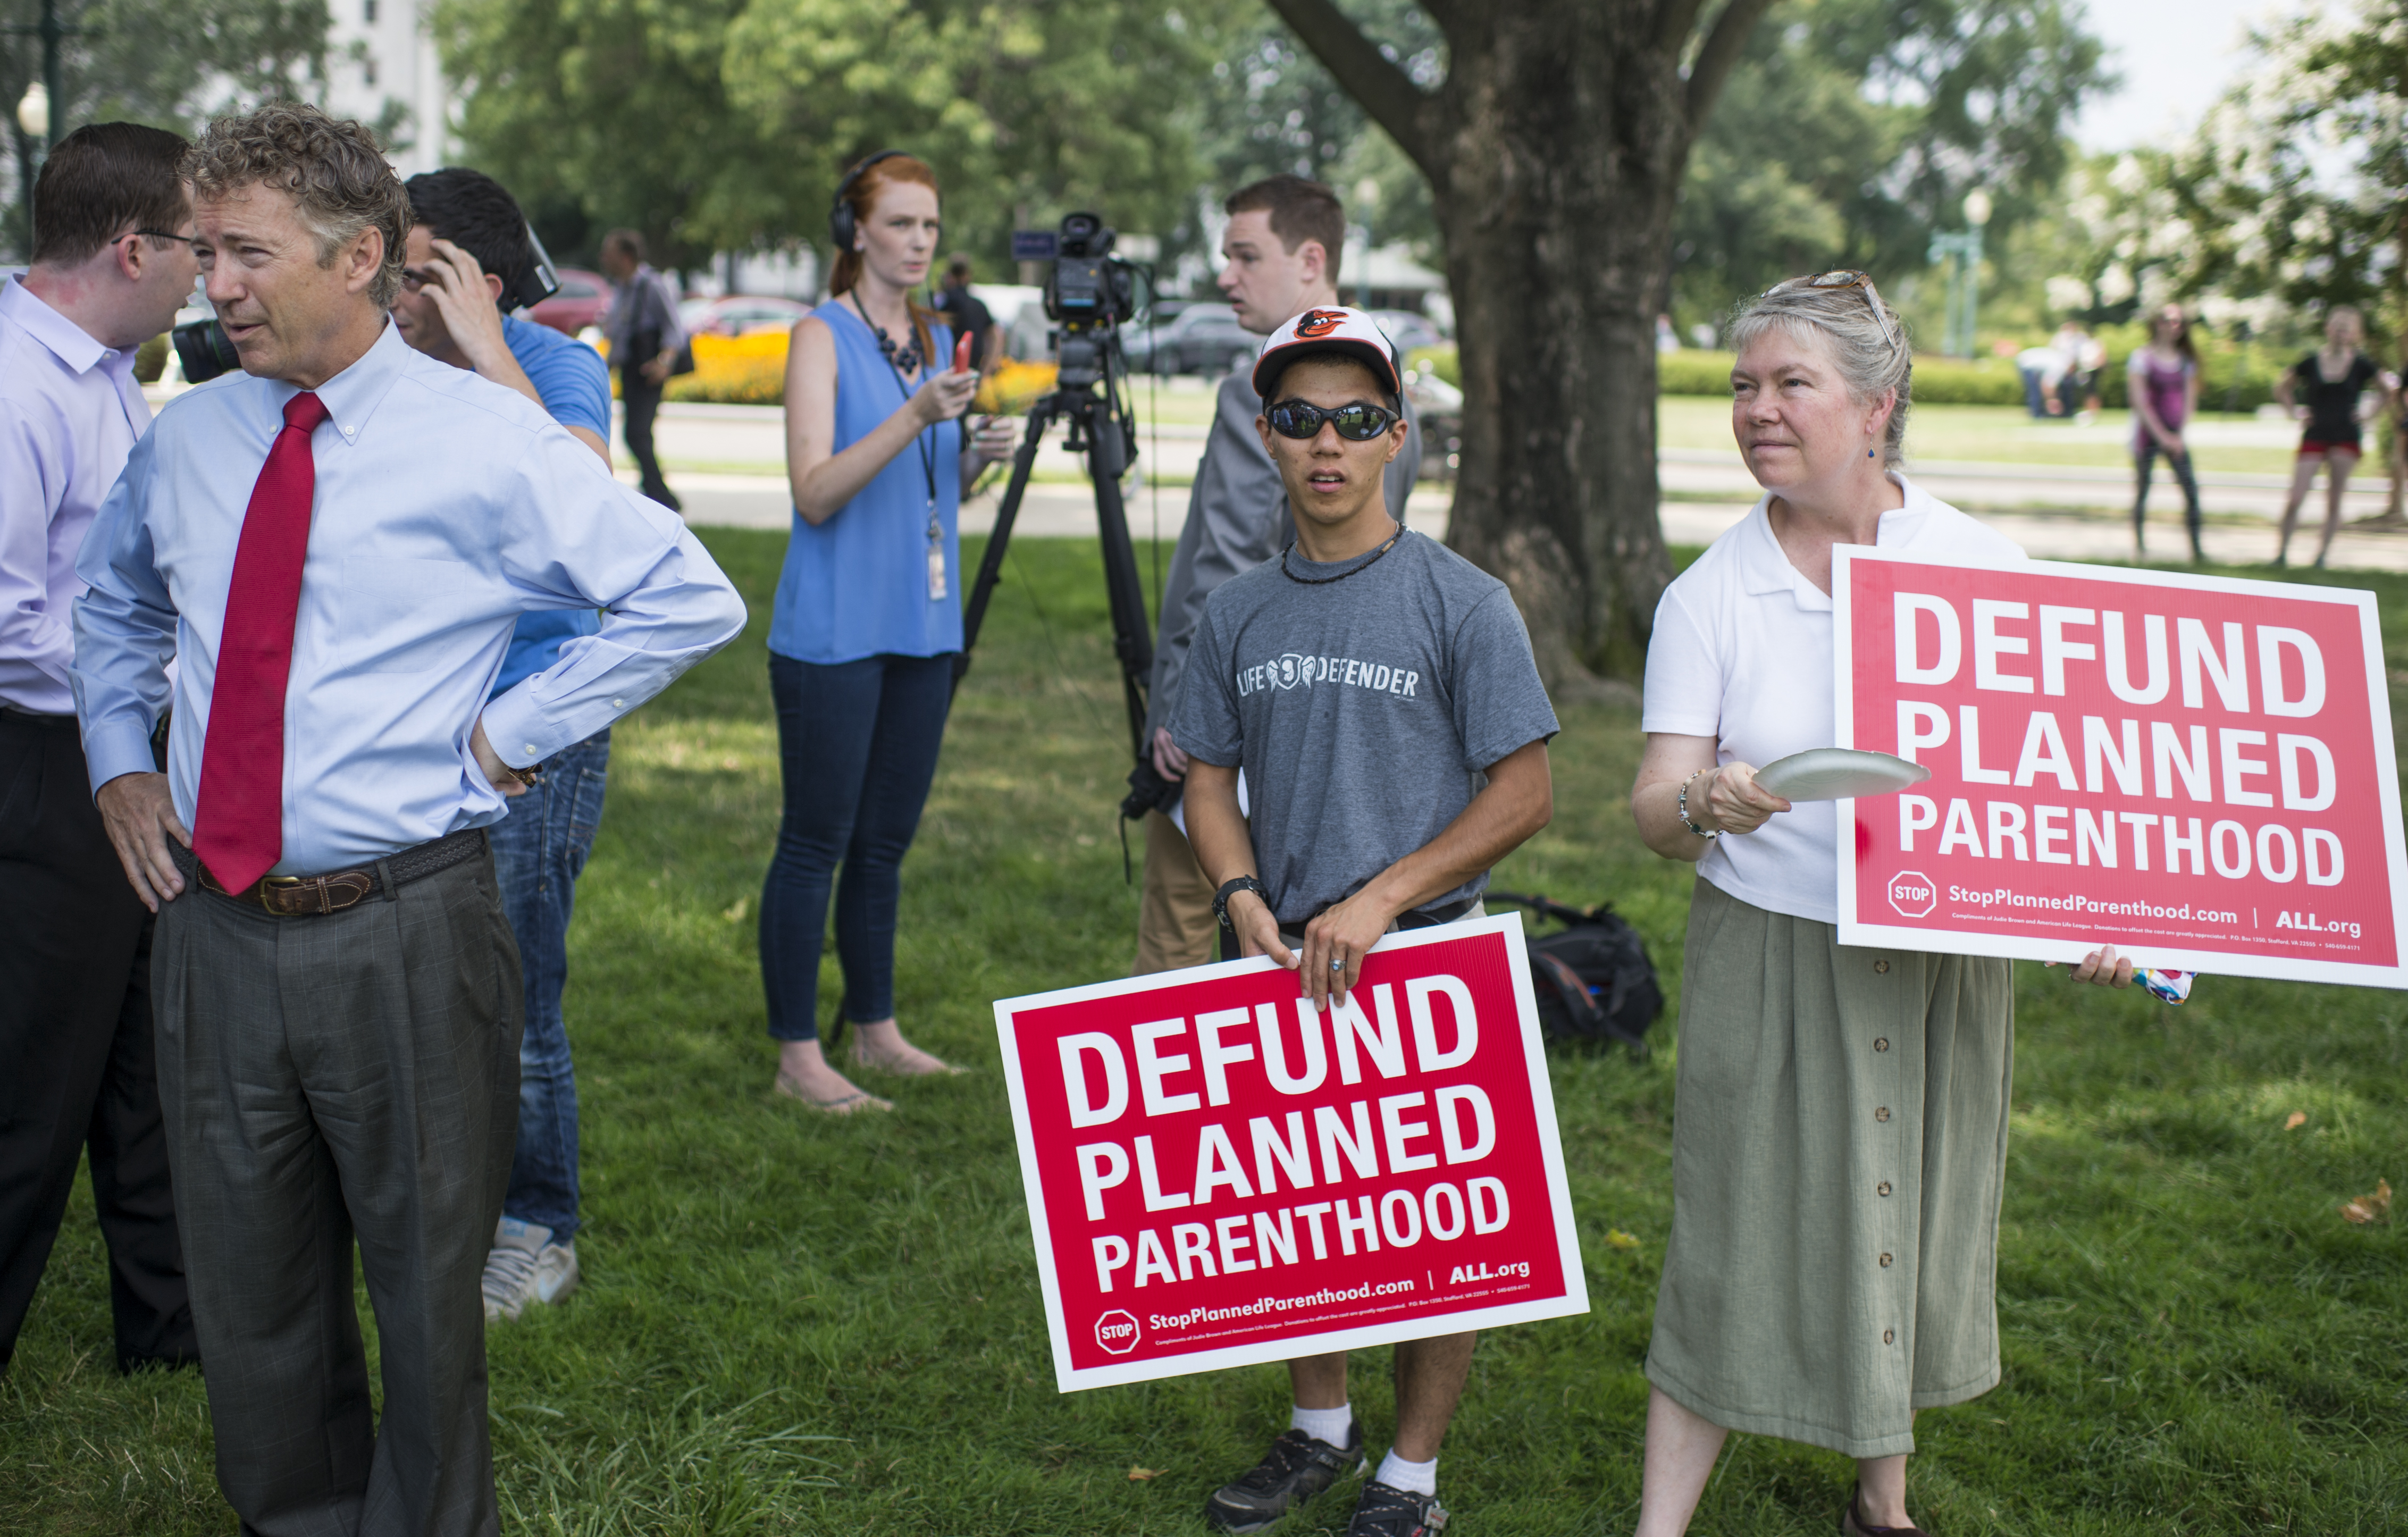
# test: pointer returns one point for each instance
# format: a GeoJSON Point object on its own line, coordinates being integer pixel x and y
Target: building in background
{"type": "Point", "coordinates": [382, 69]}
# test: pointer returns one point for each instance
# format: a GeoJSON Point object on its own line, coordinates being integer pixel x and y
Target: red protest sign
{"type": "Point", "coordinates": [1220, 1174]}
{"type": "Point", "coordinates": [2198, 769]}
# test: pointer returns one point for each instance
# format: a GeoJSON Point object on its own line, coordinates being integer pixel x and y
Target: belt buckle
{"type": "Point", "coordinates": [280, 882]}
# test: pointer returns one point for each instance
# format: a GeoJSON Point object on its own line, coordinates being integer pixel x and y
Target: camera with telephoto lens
{"type": "Point", "coordinates": [1089, 292]}
{"type": "Point", "coordinates": [206, 350]}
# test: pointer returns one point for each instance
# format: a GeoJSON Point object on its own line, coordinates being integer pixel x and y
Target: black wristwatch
{"type": "Point", "coordinates": [1230, 889]}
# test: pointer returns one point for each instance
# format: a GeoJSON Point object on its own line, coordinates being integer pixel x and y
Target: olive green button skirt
{"type": "Point", "coordinates": [1838, 1151]}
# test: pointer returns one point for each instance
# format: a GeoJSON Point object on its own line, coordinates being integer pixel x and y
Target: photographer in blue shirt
{"type": "Point", "coordinates": [467, 250]}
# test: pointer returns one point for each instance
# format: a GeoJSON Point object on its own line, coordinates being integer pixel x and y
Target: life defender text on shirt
{"type": "Point", "coordinates": [1296, 670]}
{"type": "Point", "coordinates": [2197, 770]}
{"type": "Point", "coordinates": [1219, 1174]}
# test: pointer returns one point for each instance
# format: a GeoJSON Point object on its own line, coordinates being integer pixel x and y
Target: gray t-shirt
{"type": "Point", "coordinates": [1363, 711]}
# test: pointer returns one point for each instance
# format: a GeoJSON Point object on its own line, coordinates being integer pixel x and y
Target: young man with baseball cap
{"type": "Point", "coordinates": [1376, 805]}
{"type": "Point", "coordinates": [1280, 255]}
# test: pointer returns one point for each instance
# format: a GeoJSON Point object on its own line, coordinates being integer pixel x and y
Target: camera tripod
{"type": "Point", "coordinates": [1100, 428]}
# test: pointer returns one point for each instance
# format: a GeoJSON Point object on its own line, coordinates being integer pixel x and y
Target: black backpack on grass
{"type": "Point", "coordinates": [1593, 979]}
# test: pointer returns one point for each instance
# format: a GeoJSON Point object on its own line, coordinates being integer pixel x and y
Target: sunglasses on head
{"type": "Point", "coordinates": [1846, 278]}
{"type": "Point", "coordinates": [1357, 421]}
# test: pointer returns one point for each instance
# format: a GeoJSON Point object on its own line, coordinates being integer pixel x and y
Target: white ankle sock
{"type": "Point", "coordinates": [1412, 1477]}
{"type": "Point", "coordinates": [1328, 1424]}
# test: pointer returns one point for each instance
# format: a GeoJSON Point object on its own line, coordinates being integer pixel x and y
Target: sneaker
{"type": "Point", "coordinates": [525, 1266]}
{"type": "Point", "coordinates": [1297, 1468]}
{"type": "Point", "coordinates": [1385, 1512]}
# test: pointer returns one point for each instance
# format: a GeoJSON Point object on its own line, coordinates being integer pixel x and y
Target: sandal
{"type": "Point", "coordinates": [1851, 1527]}
{"type": "Point", "coordinates": [843, 1104]}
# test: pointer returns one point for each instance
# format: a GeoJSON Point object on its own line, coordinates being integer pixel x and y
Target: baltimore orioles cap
{"type": "Point", "coordinates": [1347, 331]}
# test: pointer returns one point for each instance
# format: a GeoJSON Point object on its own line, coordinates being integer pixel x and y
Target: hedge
{"type": "Point", "coordinates": [2234, 377]}
{"type": "Point", "coordinates": [752, 371]}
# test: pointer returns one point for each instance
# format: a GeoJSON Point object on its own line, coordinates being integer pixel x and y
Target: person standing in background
{"type": "Point", "coordinates": [468, 250]}
{"type": "Point", "coordinates": [641, 326]}
{"type": "Point", "coordinates": [968, 315]}
{"type": "Point", "coordinates": [2163, 379]}
{"type": "Point", "coordinates": [1281, 253]}
{"type": "Point", "coordinates": [867, 622]}
{"type": "Point", "coordinates": [2332, 379]}
{"type": "Point", "coordinates": [112, 263]}
{"type": "Point", "coordinates": [334, 545]}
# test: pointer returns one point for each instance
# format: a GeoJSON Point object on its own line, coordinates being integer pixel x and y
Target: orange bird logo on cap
{"type": "Point", "coordinates": [1315, 324]}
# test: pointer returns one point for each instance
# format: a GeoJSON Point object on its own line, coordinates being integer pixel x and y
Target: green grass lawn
{"type": "Point", "coordinates": [793, 1324]}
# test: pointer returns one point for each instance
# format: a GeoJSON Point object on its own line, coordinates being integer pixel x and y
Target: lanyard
{"type": "Point", "coordinates": [926, 443]}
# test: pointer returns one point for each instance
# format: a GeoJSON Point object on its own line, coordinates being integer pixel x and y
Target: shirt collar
{"type": "Point", "coordinates": [71, 343]}
{"type": "Point", "coordinates": [1765, 569]}
{"type": "Point", "coordinates": [351, 396]}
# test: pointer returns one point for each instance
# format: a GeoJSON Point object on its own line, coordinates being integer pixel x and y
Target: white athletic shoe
{"type": "Point", "coordinates": [525, 1266]}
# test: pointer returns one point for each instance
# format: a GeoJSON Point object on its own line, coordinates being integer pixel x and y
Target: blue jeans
{"type": "Point", "coordinates": [539, 849]}
{"type": "Point", "coordinates": [857, 742]}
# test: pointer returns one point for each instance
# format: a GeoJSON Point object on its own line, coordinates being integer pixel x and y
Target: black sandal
{"type": "Point", "coordinates": [1851, 1527]}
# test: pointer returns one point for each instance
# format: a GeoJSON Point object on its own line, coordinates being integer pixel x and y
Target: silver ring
{"type": "Point", "coordinates": [1337, 965]}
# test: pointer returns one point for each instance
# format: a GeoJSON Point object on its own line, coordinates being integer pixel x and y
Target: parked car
{"type": "Point", "coordinates": [1439, 406]}
{"type": "Point", "coordinates": [583, 298]}
{"type": "Point", "coordinates": [1408, 330]}
{"type": "Point", "coordinates": [1202, 338]}
{"type": "Point", "coordinates": [739, 315]}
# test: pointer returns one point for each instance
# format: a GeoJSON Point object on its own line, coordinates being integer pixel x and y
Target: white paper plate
{"type": "Point", "coordinates": [1835, 773]}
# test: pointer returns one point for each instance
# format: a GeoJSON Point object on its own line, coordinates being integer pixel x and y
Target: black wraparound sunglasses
{"type": "Point", "coordinates": [1357, 421]}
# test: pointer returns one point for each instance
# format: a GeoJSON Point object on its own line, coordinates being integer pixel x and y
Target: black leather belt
{"type": "Point", "coordinates": [311, 896]}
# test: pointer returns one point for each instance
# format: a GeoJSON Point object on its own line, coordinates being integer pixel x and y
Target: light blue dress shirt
{"type": "Point", "coordinates": [70, 413]}
{"type": "Point", "coordinates": [445, 507]}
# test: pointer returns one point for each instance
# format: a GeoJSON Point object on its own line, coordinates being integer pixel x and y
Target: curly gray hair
{"type": "Point", "coordinates": [1867, 340]}
{"type": "Point", "coordinates": [333, 168]}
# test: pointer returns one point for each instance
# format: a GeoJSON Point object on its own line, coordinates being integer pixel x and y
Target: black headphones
{"type": "Point", "coordinates": [841, 227]}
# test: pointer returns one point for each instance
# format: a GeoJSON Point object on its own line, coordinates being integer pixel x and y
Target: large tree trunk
{"type": "Point", "coordinates": [1556, 149]}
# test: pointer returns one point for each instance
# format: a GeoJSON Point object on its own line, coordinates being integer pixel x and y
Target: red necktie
{"type": "Point", "coordinates": [239, 812]}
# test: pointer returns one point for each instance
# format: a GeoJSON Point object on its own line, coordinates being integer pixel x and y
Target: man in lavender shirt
{"type": "Point", "coordinates": [112, 263]}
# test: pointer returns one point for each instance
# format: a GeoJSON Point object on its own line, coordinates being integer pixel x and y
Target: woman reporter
{"type": "Point", "coordinates": [867, 622]}
{"type": "Point", "coordinates": [1839, 1141]}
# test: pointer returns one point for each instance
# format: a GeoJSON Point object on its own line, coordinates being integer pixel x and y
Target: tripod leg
{"type": "Point", "coordinates": [991, 565]}
{"type": "Point", "coordinates": [1132, 637]}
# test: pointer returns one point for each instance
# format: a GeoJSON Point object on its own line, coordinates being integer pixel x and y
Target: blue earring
{"type": "Point", "coordinates": [1868, 453]}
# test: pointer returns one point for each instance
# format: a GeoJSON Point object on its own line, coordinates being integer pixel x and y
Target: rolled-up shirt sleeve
{"type": "Point", "coordinates": [580, 539]}
{"type": "Point", "coordinates": [124, 631]}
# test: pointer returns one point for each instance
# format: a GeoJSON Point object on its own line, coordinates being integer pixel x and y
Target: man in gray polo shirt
{"type": "Point", "coordinates": [1378, 691]}
{"type": "Point", "coordinates": [1281, 251]}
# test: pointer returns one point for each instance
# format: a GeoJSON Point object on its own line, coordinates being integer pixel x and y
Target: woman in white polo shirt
{"type": "Point", "coordinates": [1840, 1143]}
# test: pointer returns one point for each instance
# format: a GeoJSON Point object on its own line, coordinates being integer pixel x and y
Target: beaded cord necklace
{"type": "Point", "coordinates": [1324, 581]}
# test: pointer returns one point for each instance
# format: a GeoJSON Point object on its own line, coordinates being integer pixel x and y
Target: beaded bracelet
{"type": "Point", "coordinates": [1685, 809]}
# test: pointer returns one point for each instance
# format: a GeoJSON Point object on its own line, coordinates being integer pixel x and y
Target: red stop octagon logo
{"type": "Point", "coordinates": [1116, 1333]}
{"type": "Point", "coordinates": [1913, 893]}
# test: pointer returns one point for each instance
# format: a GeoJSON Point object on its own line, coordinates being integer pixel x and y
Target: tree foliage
{"type": "Point", "coordinates": [1852, 129]}
{"type": "Point", "coordinates": [724, 124]}
{"type": "Point", "coordinates": [2292, 196]}
{"type": "Point", "coordinates": [167, 63]}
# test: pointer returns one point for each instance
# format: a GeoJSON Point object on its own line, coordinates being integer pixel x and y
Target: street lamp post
{"type": "Point", "coordinates": [45, 103]}
{"type": "Point", "coordinates": [1961, 305]}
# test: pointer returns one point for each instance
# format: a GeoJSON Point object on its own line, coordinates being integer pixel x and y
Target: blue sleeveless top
{"type": "Point", "coordinates": [857, 585]}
